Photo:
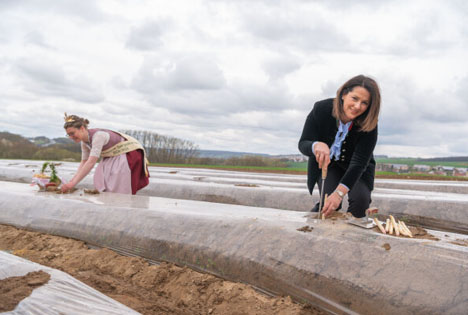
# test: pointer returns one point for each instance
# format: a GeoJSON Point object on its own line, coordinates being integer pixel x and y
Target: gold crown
{"type": "Point", "coordinates": [68, 118]}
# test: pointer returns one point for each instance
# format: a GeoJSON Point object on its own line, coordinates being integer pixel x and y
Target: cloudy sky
{"type": "Point", "coordinates": [235, 75]}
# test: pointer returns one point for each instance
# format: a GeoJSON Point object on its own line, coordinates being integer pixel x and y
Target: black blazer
{"type": "Point", "coordinates": [356, 158]}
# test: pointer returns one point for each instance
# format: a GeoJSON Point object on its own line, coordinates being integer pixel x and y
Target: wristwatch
{"type": "Point", "coordinates": [340, 193]}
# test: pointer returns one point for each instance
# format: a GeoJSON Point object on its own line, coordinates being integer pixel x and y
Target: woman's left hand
{"type": "Point", "coordinates": [333, 202]}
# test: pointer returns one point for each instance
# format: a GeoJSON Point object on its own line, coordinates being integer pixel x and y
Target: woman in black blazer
{"type": "Point", "coordinates": [341, 133]}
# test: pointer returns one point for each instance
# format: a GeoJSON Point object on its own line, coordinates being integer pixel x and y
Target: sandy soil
{"type": "Point", "coordinates": [15, 289]}
{"type": "Point", "coordinates": [149, 289]}
{"type": "Point", "coordinates": [418, 232]}
{"type": "Point", "coordinates": [460, 242]}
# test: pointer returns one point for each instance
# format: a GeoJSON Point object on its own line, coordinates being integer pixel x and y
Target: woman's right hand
{"type": "Point", "coordinates": [322, 154]}
{"type": "Point", "coordinates": [66, 187]}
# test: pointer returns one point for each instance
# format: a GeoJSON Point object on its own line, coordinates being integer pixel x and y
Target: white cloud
{"type": "Point", "coordinates": [235, 75]}
{"type": "Point", "coordinates": [147, 36]}
{"type": "Point", "coordinates": [45, 78]}
{"type": "Point", "coordinates": [36, 38]}
{"type": "Point", "coordinates": [85, 10]}
{"type": "Point", "coordinates": [281, 66]}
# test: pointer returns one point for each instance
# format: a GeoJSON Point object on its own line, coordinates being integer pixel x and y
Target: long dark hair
{"type": "Point", "coordinates": [368, 120]}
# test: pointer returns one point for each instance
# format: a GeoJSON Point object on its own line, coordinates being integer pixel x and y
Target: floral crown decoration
{"type": "Point", "coordinates": [68, 118]}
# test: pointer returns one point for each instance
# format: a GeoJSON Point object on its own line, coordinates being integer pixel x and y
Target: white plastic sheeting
{"type": "Point", "coordinates": [337, 266]}
{"type": "Point", "coordinates": [441, 205]}
{"type": "Point", "coordinates": [63, 294]}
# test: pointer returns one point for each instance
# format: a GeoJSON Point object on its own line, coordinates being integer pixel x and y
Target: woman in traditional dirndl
{"type": "Point", "coordinates": [123, 166]}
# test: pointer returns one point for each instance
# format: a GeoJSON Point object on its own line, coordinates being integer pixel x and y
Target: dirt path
{"type": "Point", "coordinates": [149, 289]}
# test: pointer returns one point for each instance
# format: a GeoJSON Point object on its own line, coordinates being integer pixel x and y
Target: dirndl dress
{"type": "Point", "coordinates": [124, 173]}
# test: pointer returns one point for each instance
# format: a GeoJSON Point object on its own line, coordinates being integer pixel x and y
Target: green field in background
{"type": "Point", "coordinates": [263, 168]}
{"type": "Point", "coordinates": [407, 161]}
{"type": "Point", "coordinates": [419, 175]}
{"type": "Point", "coordinates": [412, 161]}
{"type": "Point", "coordinates": [303, 170]}
{"type": "Point", "coordinates": [302, 166]}
{"type": "Point", "coordinates": [298, 165]}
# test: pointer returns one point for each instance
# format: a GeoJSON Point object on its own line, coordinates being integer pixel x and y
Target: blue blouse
{"type": "Point", "coordinates": [340, 136]}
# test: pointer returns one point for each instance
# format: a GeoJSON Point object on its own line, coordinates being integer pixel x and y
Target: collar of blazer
{"type": "Point", "coordinates": [338, 125]}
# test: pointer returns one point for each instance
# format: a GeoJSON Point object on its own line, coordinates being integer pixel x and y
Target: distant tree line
{"type": "Point", "coordinates": [167, 149]}
{"type": "Point", "coordinates": [14, 146]}
{"type": "Point", "coordinates": [159, 149]}
{"type": "Point", "coordinates": [446, 159]}
{"type": "Point", "coordinates": [246, 160]}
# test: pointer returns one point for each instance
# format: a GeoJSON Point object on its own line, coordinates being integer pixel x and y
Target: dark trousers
{"type": "Point", "coordinates": [359, 198]}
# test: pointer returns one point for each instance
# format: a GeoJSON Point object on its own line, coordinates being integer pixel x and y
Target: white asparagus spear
{"type": "Point", "coordinates": [395, 225]}
{"type": "Point", "coordinates": [390, 229]}
{"type": "Point", "coordinates": [324, 202]}
{"type": "Point", "coordinates": [402, 229]}
{"type": "Point", "coordinates": [407, 229]}
{"type": "Point", "coordinates": [380, 226]}
{"type": "Point", "coordinates": [387, 225]}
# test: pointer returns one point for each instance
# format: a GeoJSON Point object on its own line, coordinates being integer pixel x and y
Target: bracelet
{"type": "Point", "coordinates": [340, 193]}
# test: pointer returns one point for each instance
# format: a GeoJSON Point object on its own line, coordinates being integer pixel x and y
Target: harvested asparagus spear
{"type": "Point", "coordinates": [395, 225]}
{"type": "Point", "coordinates": [387, 225]}
{"type": "Point", "coordinates": [324, 202]}
{"type": "Point", "coordinates": [390, 227]}
{"type": "Point", "coordinates": [407, 229]}
{"type": "Point", "coordinates": [377, 222]}
{"type": "Point", "coordinates": [402, 229]}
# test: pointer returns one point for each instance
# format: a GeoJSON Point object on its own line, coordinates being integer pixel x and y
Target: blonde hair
{"type": "Point", "coordinates": [368, 120]}
{"type": "Point", "coordinates": [75, 122]}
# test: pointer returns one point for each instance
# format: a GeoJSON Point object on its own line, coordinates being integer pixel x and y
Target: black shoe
{"type": "Point", "coordinates": [315, 208]}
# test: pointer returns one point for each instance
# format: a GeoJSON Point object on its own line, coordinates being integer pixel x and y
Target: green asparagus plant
{"type": "Point", "coordinates": [44, 166]}
{"type": "Point", "coordinates": [53, 174]}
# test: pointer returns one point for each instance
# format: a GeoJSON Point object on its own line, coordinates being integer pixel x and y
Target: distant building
{"type": "Point", "coordinates": [291, 157]}
{"type": "Point", "coordinates": [301, 158]}
{"type": "Point", "coordinates": [400, 168]}
{"type": "Point", "coordinates": [384, 167]}
{"type": "Point", "coordinates": [444, 170]}
{"type": "Point", "coordinates": [459, 171]}
{"type": "Point", "coordinates": [420, 168]}
{"type": "Point", "coordinates": [396, 168]}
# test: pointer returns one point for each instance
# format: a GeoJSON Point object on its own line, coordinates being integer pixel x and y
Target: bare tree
{"type": "Point", "coordinates": [165, 149]}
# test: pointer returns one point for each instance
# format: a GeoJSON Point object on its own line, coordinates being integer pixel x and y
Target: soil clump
{"type": "Point", "coordinates": [148, 289]}
{"type": "Point", "coordinates": [305, 229]}
{"type": "Point", "coordinates": [460, 242]}
{"type": "Point", "coordinates": [335, 215]}
{"type": "Point", "coordinates": [14, 289]}
{"type": "Point", "coordinates": [219, 199]}
{"type": "Point", "coordinates": [246, 185]}
{"type": "Point", "coordinates": [419, 232]}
